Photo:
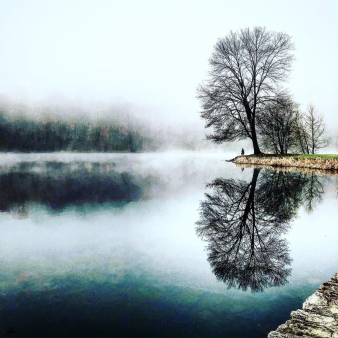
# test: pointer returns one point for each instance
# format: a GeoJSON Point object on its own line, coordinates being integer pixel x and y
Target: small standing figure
{"type": "Point", "coordinates": [242, 152]}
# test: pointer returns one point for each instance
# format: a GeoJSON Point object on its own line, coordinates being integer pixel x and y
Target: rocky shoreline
{"type": "Point", "coordinates": [288, 161]}
{"type": "Point", "coordinates": [318, 318]}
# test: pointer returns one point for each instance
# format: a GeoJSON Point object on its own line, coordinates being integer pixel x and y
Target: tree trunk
{"type": "Point", "coordinates": [250, 202]}
{"type": "Point", "coordinates": [257, 151]}
{"type": "Point", "coordinates": [251, 118]}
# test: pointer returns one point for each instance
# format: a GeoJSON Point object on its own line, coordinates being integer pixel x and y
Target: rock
{"type": "Point", "coordinates": [318, 318]}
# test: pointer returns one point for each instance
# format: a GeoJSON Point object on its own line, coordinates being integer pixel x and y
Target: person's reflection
{"type": "Point", "coordinates": [242, 223]}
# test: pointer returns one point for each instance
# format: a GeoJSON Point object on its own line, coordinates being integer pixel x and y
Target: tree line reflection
{"type": "Point", "coordinates": [60, 185]}
{"type": "Point", "coordinates": [243, 224]}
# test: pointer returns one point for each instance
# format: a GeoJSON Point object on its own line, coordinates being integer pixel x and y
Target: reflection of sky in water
{"type": "Point", "coordinates": [147, 250]}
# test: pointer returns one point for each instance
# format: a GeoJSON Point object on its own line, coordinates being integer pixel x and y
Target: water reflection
{"type": "Point", "coordinates": [244, 223]}
{"type": "Point", "coordinates": [76, 268]}
{"type": "Point", "coordinates": [312, 192]}
{"type": "Point", "coordinates": [58, 185]}
{"type": "Point", "coordinates": [81, 180]}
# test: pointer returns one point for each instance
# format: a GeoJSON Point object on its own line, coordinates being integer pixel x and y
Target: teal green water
{"type": "Point", "coordinates": [107, 245]}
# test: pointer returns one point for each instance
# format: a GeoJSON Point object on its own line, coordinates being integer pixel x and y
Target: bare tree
{"type": "Point", "coordinates": [314, 127]}
{"type": "Point", "coordinates": [311, 131]}
{"type": "Point", "coordinates": [301, 135]}
{"type": "Point", "coordinates": [277, 126]}
{"type": "Point", "coordinates": [247, 68]}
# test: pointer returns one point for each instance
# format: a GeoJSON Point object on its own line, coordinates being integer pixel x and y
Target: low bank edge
{"type": "Point", "coordinates": [289, 161]}
{"type": "Point", "coordinates": [318, 317]}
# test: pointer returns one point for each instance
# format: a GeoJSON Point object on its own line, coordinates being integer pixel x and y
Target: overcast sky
{"type": "Point", "coordinates": [153, 54]}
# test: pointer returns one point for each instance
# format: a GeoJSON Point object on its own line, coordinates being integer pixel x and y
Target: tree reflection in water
{"type": "Point", "coordinates": [243, 223]}
{"type": "Point", "coordinates": [312, 192]}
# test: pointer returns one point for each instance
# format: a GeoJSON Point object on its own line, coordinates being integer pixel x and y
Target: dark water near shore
{"type": "Point", "coordinates": [107, 245]}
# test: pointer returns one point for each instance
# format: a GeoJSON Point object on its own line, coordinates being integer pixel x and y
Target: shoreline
{"type": "Point", "coordinates": [318, 317]}
{"type": "Point", "coordinates": [295, 161]}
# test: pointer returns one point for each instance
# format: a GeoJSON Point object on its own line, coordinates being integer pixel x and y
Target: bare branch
{"type": "Point", "coordinates": [247, 68]}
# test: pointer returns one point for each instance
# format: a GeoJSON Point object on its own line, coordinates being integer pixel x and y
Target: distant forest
{"type": "Point", "coordinates": [117, 133]}
{"type": "Point", "coordinates": [24, 134]}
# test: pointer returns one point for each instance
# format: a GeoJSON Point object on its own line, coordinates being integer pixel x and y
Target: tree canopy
{"type": "Point", "coordinates": [310, 132]}
{"type": "Point", "coordinates": [278, 126]}
{"type": "Point", "coordinates": [247, 69]}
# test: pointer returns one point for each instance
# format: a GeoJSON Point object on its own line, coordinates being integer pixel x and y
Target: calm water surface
{"type": "Point", "coordinates": [158, 245]}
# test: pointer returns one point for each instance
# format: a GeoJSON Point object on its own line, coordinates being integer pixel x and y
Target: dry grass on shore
{"type": "Point", "coordinates": [326, 162]}
{"type": "Point", "coordinates": [318, 172]}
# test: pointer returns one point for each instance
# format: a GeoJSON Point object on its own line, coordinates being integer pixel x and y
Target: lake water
{"type": "Point", "coordinates": [129, 245]}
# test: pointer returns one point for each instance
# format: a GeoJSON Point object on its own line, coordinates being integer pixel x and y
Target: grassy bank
{"type": "Point", "coordinates": [317, 161]}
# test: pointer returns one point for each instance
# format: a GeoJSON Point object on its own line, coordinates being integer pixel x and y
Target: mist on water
{"type": "Point", "coordinates": [102, 128]}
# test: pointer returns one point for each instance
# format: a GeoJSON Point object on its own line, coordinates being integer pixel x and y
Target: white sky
{"type": "Point", "coordinates": [152, 53]}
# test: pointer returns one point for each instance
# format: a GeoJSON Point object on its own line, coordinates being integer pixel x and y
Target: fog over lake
{"type": "Point", "coordinates": [119, 215]}
{"type": "Point", "coordinates": [107, 245]}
